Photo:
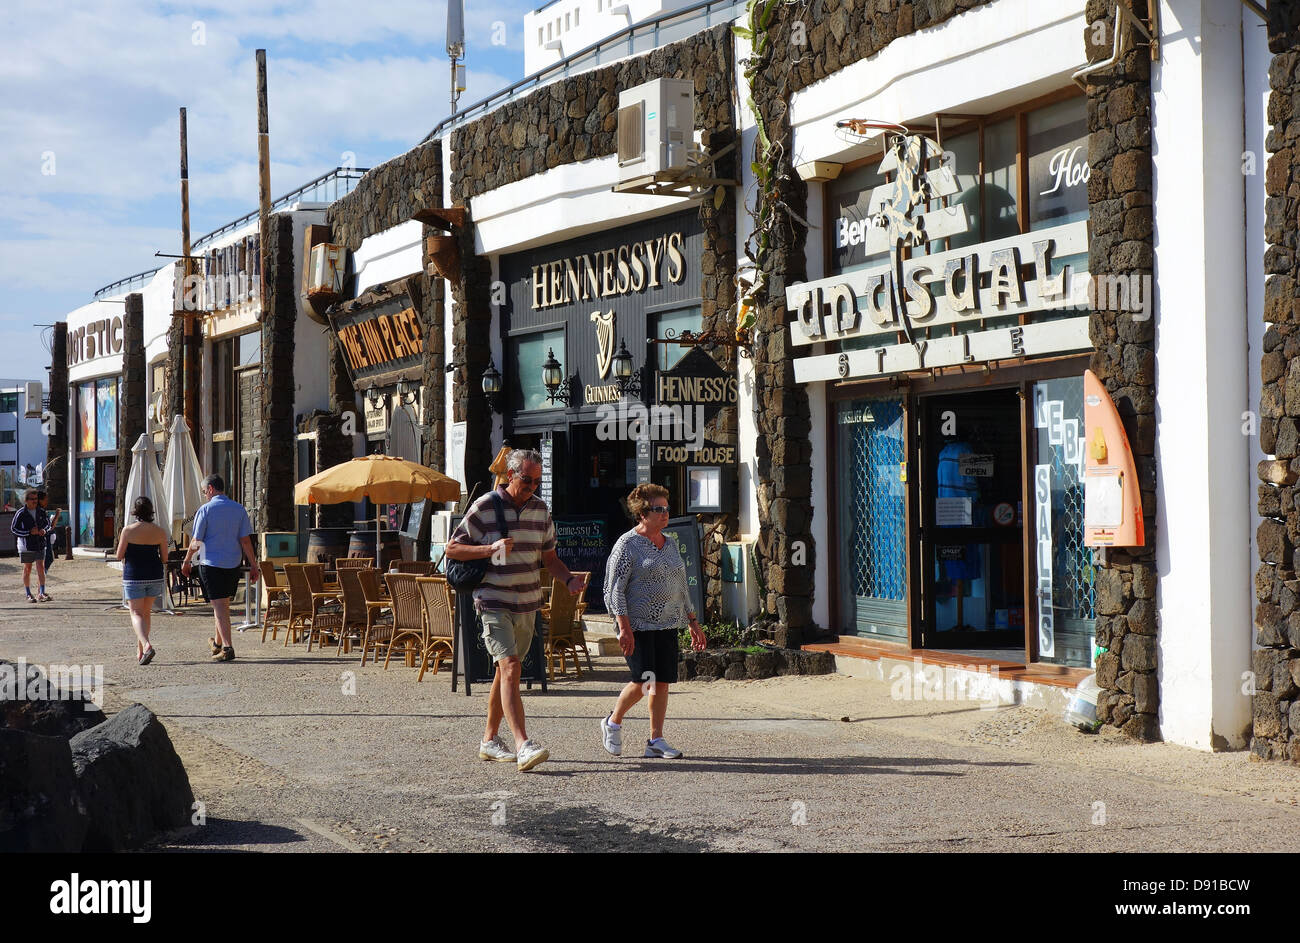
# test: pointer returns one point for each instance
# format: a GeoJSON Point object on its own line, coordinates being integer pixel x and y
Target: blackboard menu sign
{"type": "Point", "coordinates": [472, 659]}
{"type": "Point", "coordinates": [684, 532]}
{"type": "Point", "coordinates": [582, 545]}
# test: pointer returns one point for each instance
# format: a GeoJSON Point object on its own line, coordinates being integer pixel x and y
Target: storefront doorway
{"type": "Point", "coordinates": [971, 523]}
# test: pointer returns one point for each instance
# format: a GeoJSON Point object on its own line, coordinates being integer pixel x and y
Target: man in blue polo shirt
{"type": "Point", "coordinates": [221, 538]}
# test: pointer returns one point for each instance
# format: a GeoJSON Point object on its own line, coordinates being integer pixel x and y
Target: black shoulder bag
{"type": "Point", "coordinates": [466, 574]}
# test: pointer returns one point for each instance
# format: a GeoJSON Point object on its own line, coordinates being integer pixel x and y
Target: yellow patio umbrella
{"type": "Point", "coordinates": [383, 479]}
{"type": "Point", "coordinates": [498, 466]}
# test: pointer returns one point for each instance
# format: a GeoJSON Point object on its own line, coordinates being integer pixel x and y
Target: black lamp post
{"type": "Point", "coordinates": [558, 387]}
{"type": "Point", "coordinates": [492, 387]}
{"type": "Point", "coordinates": [627, 379]}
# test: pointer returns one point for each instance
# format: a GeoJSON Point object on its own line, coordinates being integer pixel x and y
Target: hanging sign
{"type": "Point", "coordinates": [977, 465]}
{"type": "Point", "coordinates": [1112, 508]}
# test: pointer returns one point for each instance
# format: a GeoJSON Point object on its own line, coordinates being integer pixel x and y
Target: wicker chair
{"type": "Point", "coordinates": [379, 618]}
{"type": "Point", "coordinates": [345, 563]}
{"type": "Point", "coordinates": [277, 609]}
{"type": "Point", "coordinates": [408, 616]}
{"type": "Point", "coordinates": [439, 623]}
{"type": "Point", "coordinates": [299, 600]}
{"type": "Point", "coordinates": [564, 638]}
{"type": "Point", "coordinates": [418, 567]}
{"type": "Point", "coordinates": [355, 610]}
{"type": "Point", "coordinates": [326, 606]}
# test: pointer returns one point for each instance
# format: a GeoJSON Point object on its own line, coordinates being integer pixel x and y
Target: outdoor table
{"type": "Point", "coordinates": [253, 606]}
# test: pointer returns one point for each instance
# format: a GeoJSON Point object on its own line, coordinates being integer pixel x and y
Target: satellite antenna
{"type": "Point", "coordinates": [456, 47]}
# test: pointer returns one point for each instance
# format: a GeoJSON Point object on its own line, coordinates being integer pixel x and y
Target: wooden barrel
{"type": "Point", "coordinates": [362, 544]}
{"type": "Point", "coordinates": [325, 544]}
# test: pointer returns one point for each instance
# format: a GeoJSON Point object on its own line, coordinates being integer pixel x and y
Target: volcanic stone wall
{"type": "Point", "coordinates": [57, 445]}
{"type": "Point", "coordinates": [1277, 590]}
{"type": "Point", "coordinates": [274, 507]}
{"type": "Point", "coordinates": [132, 408]}
{"type": "Point", "coordinates": [1121, 251]}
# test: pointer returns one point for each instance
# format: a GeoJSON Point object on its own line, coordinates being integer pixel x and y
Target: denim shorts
{"type": "Point", "coordinates": [143, 589]}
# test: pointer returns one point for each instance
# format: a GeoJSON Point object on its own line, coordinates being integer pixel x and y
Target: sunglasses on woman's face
{"type": "Point", "coordinates": [659, 508]}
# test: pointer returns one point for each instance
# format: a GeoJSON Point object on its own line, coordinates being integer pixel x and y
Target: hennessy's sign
{"type": "Point", "coordinates": [606, 273]}
{"type": "Point", "coordinates": [379, 341]}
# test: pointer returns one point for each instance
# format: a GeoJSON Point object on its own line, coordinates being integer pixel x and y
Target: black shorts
{"type": "Point", "coordinates": [654, 656]}
{"type": "Point", "coordinates": [219, 582]}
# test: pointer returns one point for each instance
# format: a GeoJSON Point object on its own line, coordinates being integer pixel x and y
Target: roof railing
{"type": "Point", "coordinates": [638, 38]}
{"type": "Point", "coordinates": [332, 184]}
{"type": "Point", "coordinates": [117, 287]}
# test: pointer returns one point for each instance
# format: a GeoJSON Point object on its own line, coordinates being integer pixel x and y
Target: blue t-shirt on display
{"type": "Point", "coordinates": [218, 525]}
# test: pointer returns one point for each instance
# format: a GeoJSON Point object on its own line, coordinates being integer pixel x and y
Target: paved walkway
{"type": "Point", "coordinates": [285, 759]}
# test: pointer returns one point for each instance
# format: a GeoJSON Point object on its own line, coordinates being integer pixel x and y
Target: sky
{"type": "Point", "coordinates": [90, 95]}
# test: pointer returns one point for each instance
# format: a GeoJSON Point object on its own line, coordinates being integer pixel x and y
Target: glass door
{"type": "Point", "coordinates": [971, 523]}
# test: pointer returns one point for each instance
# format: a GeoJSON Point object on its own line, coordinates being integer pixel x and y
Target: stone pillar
{"type": "Point", "coordinates": [175, 397]}
{"type": "Point", "coordinates": [472, 340]}
{"type": "Point", "coordinates": [1120, 244]}
{"type": "Point", "coordinates": [1276, 728]}
{"type": "Point", "coordinates": [426, 295]}
{"type": "Point", "coordinates": [57, 451]}
{"type": "Point", "coordinates": [274, 507]}
{"type": "Point", "coordinates": [332, 448]}
{"type": "Point", "coordinates": [132, 406]}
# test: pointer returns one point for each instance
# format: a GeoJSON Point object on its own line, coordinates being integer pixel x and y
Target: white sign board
{"type": "Point", "coordinates": [456, 453]}
{"type": "Point", "coordinates": [952, 512]}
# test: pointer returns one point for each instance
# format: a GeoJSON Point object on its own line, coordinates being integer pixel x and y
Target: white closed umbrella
{"type": "Point", "coordinates": [145, 481]}
{"type": "Point", "coordinates": [182, 478]}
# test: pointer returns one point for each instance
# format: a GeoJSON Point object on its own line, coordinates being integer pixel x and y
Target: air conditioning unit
{"type": "Point", "coordinates": [656, 127]}
{"type": "Point", "coordinates": [32, 399]}
{"type": "Point", "coordinates": [326, 270]}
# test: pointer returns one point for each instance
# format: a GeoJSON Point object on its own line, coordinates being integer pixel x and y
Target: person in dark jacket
{"type": "Point", "coordinates": [52, 529]}
{"type": "Point", "coordinates": [29, 526]}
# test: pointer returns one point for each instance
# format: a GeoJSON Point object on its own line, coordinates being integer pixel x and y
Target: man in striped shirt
{"type": "Point", "coordinates": [511, 592]}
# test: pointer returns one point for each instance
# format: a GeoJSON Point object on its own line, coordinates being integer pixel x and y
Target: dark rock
{"type": "Point", "coordinates": [1143, 727]}
{"type": "Point", "coordinates": [817, 663]}
{"type": "Point", "coordinates": [1139, 653]}
{"type": "Point", "coordinates": [131, 782]}
{"type": "Point", "coordinates": [1268, 721]}
{"type": "Point", "coordinates": [39, 715]}
{"type": "Point", "coordinates": [1146, 693]}
{"type": "Point", "coordinates": [735, 673]}
{"type": "Point", "coordinates": [39, 805]}
{"type": "Point", "coordinates": [760, 664]}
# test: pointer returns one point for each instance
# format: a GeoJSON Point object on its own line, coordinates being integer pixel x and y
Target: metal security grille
{"type": "Point", "coordinates": [872, 513]}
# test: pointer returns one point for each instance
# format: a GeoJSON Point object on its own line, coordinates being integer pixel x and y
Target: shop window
{"type": "Point", "coordinates": [8, 436]}
{"type": "Point", "coordinates": [223, 399]}
{"type": "Point", "coordinates": [528, 352]}
{"type": "Point", "coordinates": [86, 502]}
{"type": "Point", "coordinates": [86, 417]}
{"type": "Point", "coordinates": [106, 414]}
{"type": "Point", "coordinates": [9, 402]}
{"type": "Point", "coordinates": [849, 199]}
{"type": "Point", "coordinates": [1058, 164]}
{"type": "Point", "coordinates": [250, 348]}
{"type": "Point", "coordinates": [872, 523]}
{"type": "Point", "coordinates": [687, 319]}
{"type": "Point", "coordinates": [1065, 579]}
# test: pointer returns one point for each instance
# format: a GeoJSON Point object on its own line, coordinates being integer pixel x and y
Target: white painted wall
{"type": "Point", "coordinates": [564, 27]}
{"type": "Point", "coordinates": [449, 400]}
{"type": "Point", "coordinates": [746, 427]}
{"type": "Point", "coordinates": [561, 203]}
{"type": "Point", "coordinates": [982, 60]}
{"type": "Point", "coordinates": [390, 254]}
{"type": "Point", "coordinates": [310, 343]}
{"type": "Point", "coordinates": [1202, 521]}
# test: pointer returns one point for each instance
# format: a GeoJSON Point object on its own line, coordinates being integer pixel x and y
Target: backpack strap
{"type": "Point", "coordinates": [501, 514]}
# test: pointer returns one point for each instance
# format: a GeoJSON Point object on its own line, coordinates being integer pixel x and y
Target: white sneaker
{"type": "Point", "coordinates": [530, 755]}
{"type": "Point", "coordinates": [611, 737]}
{"type": "Point", "coordinates": [659, 747]}
{"type": "Point", "coordinates": [495, 749]}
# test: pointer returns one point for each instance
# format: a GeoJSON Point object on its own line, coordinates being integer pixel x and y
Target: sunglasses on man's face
{"type": "Point", "coordinates": [530, 482]}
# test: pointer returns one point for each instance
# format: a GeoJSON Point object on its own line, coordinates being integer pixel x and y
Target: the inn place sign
{"type": "Point", "coordinates": [1004, 277]}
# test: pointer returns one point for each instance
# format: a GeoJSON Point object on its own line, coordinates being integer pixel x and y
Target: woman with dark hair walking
{"type": "Point", "coordinates": [645, 591]}
{"type": "Point", "coordinates": [142, 548]}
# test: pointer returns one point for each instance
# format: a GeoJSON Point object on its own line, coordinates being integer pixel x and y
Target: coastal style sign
{"type": "Point", "coordinates": [1000, 280]}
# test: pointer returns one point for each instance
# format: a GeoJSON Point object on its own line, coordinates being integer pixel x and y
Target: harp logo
{"type": "Point", "coordinates": [604, 340]}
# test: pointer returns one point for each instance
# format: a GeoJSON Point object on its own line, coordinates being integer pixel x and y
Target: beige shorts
{"type": "Point", "coordinates": [508, 633]}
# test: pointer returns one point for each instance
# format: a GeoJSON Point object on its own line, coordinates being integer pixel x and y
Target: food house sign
{"type": "Point", "coordinates": [1004, 277]}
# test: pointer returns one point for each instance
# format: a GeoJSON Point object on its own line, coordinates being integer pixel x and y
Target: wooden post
{"type": "Point", "coordinates": [191, 339]}
{"type": "Point", "coordinates": [263, 175]}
